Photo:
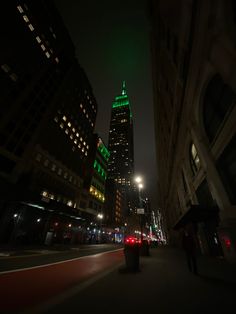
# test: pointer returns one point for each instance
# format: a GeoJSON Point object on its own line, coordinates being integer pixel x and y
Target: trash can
{"type": "Point", "coordinates": [131, 252]}
{"type": "Point", "coordinates": [144, 248]}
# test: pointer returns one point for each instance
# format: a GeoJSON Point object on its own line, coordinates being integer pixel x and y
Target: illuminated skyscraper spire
{"type": "Point", "coordinates": [123, 88]}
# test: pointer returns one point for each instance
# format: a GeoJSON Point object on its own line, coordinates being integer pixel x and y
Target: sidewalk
{"type": "Point", "coordinates": [164, 285]}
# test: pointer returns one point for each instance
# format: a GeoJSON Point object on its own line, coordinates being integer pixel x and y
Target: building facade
{"type": "Point", "coordinates": [120, 145]}
{"type": "Point", "coordinates": [193, 62]}
{"type": "Point", "coordinates": [48, 113]}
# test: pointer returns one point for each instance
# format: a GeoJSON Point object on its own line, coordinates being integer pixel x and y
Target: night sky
{"type": "Point", "coordinates": [112, 45]}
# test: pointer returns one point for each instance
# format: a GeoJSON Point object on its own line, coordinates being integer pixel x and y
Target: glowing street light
{"type": "Point", "coordinates": [140, 186]}
{"type": "Point", "coordinates": [138, 180]}
{"type": "Point", "coordinates": [100, 217]}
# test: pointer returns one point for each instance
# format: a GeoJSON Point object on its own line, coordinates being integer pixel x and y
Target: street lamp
{"type": "Point", "coordinates": [100, 217]}
{"type": "Point", "coordinates": [140, 186]}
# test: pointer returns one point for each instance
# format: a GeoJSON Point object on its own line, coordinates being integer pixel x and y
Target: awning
{"type": "Point", "coordinates": [195, 214]}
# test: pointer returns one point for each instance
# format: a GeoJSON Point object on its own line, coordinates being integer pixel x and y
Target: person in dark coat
{"type": "Point", "coordinates": [189, 245]}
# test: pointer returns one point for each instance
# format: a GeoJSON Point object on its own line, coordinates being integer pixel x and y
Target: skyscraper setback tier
{"type": "Point", "coordinates": [120, 144]}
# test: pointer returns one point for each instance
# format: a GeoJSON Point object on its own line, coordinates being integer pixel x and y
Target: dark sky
{"type": "Point", "coordinates": [112, 45]}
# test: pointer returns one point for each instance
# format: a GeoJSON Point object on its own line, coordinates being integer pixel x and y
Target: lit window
{"type": "Point", "coordinates": [14, 77]}
{"type": "Point", "coordinates": [84, 111]}
{"type": "Point", "coordinates": [47, 54]}
{"type": "Point", "coordinates": [87, 147]}
{"type": "Point", "coordinates": [19, 8]}
{"type": "Point", "coordinates": [38, 39]}
{"type": "Point", "coordinates": [64, 118]}
{"type": "Point", "coordinates": [5, 68]}
{"type": "Point", "coordinates": [56, 119]}
{"type": "Point", "coordinates": [194, 159]}
{"type": "Point", "coordinates": [43, 47]}
{"type": "Point", "coordinates": [69, 124]}
{"type": "Point", "coordinates": [73, 148]}
{"type": "Point", "coordinates": [57, 60]}
{"type": "Point", "coordinates": [79, 146]}
{"type": "Point", "coordinates": [46, 162]}
{"type": "Point", "coordinates": [66, 131]}
{"type": "Point", "coordinates": [73, 130]}
{"type": "Point", "coordinates": [81, 106]}
{"type": "Point", "coordinates": [25, 18]}
{"type": "Point", "coordinates": [77, 134]}
{"type": "Point", "coordinates": [92, 123]}
{"type": "Point", "coordinates": [69, 203]}
{"type": "Point", "coordinates": [83, 149]}
{"type": "Point", "coordinates": [31, 27]}
{"type": "Point", "coordinates": [75, 141]}
{"type": "Point", "coordinates": [44, 193]}
{"type": "Point", "coordinates": [53, 167]}
{"type": "Point", "coordinates": [71, 136]}
{"type": "Point", "coordinates": [86, 115]}
{"type": "Point", "coordinates": [38, 157]}
{"type": "Point", "coordinates": [86, 153]}
{"type": "Point", "coordinates": [61, 125]}
{"type": "Point", "coordinates": [84, 143]}
{"type": "Point", "coordinates": [81, 139]}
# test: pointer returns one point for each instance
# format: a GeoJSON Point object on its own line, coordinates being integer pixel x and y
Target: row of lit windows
{"type": "Point", "coordinates": [86, 114]}
{"type": "Point", "coordinates": [56, 169]}
{"type": "Point", "coordinates": [58, 198]}
{"type": "Point", "coordinates": [98, 185]}
{"type": "Point", "coordinates": [118, 214]}
{"type": "Point", "coordinates": [95, 192]}
{"type": "Point", "coordinates": [38, 39]}
{"type": "Point", "coordinates": [91, 103]}
{"type": "Point", "coordinates": [123, 181]}
{"type": "Point", "coordinates": [9, 72]}
{"type": "Point", "coordinates": [73, 135]}
{"type": "Point", "coordinates": [99, 169]}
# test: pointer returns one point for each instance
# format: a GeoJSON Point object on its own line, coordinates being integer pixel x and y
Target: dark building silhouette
{"type": "Point", "coordinates": [193, 62]}
{"type": "Point", "coordinates": [47, 118]}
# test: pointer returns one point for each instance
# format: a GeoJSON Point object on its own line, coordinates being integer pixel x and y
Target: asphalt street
{"type": "Point", "coordinates": [163, 285]}
{"type": "Point", "coordinates": [23, 258]}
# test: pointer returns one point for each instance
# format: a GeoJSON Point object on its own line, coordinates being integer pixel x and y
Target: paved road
{"type": "Point", "coordinates": [35, 257]}
{"type": "Point", "coordinates": [163, 286]}
{"type": "Point", "coordinates": [100, 284]}
{"type": "Point", "coordinates": [23, 288]}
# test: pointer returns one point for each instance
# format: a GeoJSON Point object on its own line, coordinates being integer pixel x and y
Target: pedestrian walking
{"type": "Point", "coordinates": [189, 245]}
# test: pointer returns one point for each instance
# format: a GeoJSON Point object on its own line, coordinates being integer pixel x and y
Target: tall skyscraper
{"type": "Point", "coordinates": [120, 144]}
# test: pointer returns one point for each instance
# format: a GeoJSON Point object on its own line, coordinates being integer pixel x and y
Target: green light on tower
{"type": "Point", "coordinates": [122, 100]}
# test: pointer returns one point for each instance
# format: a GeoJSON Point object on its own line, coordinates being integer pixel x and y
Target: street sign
{"type": "Point", "coordinates": [140, 211]}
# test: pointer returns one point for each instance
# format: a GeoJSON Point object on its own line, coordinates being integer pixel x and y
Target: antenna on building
{"type": "Point", "coordinates": [123, 88]}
